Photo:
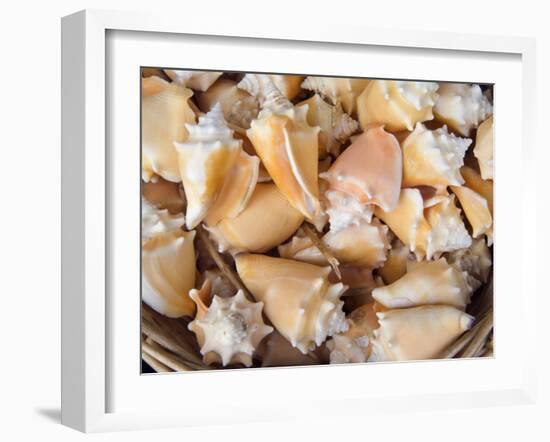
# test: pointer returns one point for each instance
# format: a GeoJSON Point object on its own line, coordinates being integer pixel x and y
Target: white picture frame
{"type": "Point", "coordinates": [95, 364]}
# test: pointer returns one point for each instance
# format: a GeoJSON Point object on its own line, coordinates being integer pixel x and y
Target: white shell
{"type": "Point", "coordinates": [433, 158]}
{"type": "Point", "coordinates": [198, 80]}
{"type": "Point", "coordinates": [158, 221]}
{"type": "Point", "coordinates": [342, 91]}
{"type": "Point", "coordinates": [462, 106]}
{"type": "Point", "coordinates": [345, 210]}
{"type": "Point", "coordinates": [230, 329]}
{"type": "Point", "coordinates": [428, 282]}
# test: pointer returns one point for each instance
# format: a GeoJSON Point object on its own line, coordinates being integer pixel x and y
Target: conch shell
{"type": "Point", "coordinates": [461, 106]}
{"type": "Point", "coordinates": [206, 161]}
{"type": "Point", "coordinates": [337, 90]}
{"type": "Point", "coordinates": [477, 211]}
{"type": "Point", "coordinates": [164, 113]}
{"type": "Point", "coordinates": [369, 169]}
{"type": "Point", "coordinates": [261, 85]}
{"type": "Point", "coordinates": [433, 158]}
{"type": "Point", "coordinates": [398, 105]}
{"type": "Point", "coordinates": [228, 329]}
{"type": "Point", "coordinates": [355, 344]}
{"type": "Point", "coordinates": [417, 333]}
{"type": "Point", "coordinates": [473, 180]}
{"type": "Point", "coordinates": [428, 282]}
{"type": "Point", "coordinates": [288, 148]}
{"type": "Point", "coordinates": [426, 231]}
{"type": "Point", "coordinates": [168, 262]}
{"type": "Point", "coordinates": [475, 261]}
{"type": "Point", "coordinates": [267, 220]}
{"type": "Point", "coordinates": [345, 210]}
{"type": "Point", "coordinates": [299, 299]}
{"type": "Point", "coordinates": [197, 80]}
{"type": "Point", "coordinates": [336, 126]}
{"type": "Point", "coordinates": [483, 150]}
{"type": "Point", "coordinates": [239, 107]}
{"type": "Point", "coordinates": [363, 245]}
{"type": "Point", "coordinates": [395, 265]}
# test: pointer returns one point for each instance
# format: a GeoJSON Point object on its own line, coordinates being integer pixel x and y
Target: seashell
{"type": "Point", "coordinates": [228, 329]}
{"type": "Point", "coordinates": [369, 169]}
{"type": "Point", "coordinates": [426, 231]}
{"type": "Point", "coordinates": [167, 262]}
{"type": "Point", "coordinates": [398, 105]}
{"type": "Point", "coordinates": [363, 245]}
{"type": "Point", "coordinates": [267, 220]}
{"type": "Point", "coordinates": [336, 126]}
{"type": "Point", "coordinates": [395, 265]}
{"type": "Point", "coordinates": [475, 260]}
{"type": "Point", "coordinates": [407, 221]}
{"type": "Point", "coordinates": [261, 85]}
{"type": "Point", "coordinates": [448, 232]}
{"type": "Point", "coordinates": [338, 90]}
{"type": "Point", "coordinates": [299, 299]}
{"type": "Point", "coordinates": [288, 148]}
{"type": "Point", "coordinates": [461, 106]}
{"type": "Point", "coordinates": [355, 344]}
{"type": "Point", "coordinates": [483, 150]}
{"type": "Point", "coordinates": [197, 80]}
{"type": "Point", "coordinates": [433, 158]}
{"type": "Point", "coordinates": [219, 283]}
{"type": "Point", "coordinates": [428, 282]}
{"type": "Point", "coordinates": [237, 189]}
{"type": "Point", "coordinates": [164, 113]}
{"type": "Point", "coordinates": [345, 210]}
{"type": "Point", "coordinates": [239, 107]}
{"type": "Point", "coordinates": [477, 211]}
{"type": "Point", "coordinates": [158, 221]}
{"type": "Point", "coordinates": [206, 159]}
{"type": "Point", "coordinates": [289, 85]}
{"type": "Point", "coordinates": [276, 351]}
{"type": "Point", "coordinates": [163, 195]}
{"type": "Point", "coordinates": [417, 333]}
{"type": "Point", "coordinates": [473, 180]}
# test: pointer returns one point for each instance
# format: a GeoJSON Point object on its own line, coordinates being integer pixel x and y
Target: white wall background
{"type": "Point", "coordinates": [30, 220]}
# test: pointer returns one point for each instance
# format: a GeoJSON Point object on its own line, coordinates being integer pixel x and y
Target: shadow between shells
{"type": "Point", "coordinates": [296, 220]}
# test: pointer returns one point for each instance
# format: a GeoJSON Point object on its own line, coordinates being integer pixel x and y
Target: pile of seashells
{"type": "Point", "coordinates": [293, 220]}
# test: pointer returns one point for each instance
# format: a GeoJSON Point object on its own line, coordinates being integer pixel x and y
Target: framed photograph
{"type": "Point", "coordinates": [298, 221]}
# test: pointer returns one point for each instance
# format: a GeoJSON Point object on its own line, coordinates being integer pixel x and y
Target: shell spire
{"type": "Point", "coordinates": [228, 329]}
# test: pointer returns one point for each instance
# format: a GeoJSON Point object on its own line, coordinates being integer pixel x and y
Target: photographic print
{"type": "Point", "coordinates": [293, 220]}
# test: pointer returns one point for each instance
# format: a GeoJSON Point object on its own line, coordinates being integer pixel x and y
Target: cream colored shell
{"type": "Point", "coordinates": [398, 105]}
{"type": "Point", "coordinates": [228, 329]}
{"type": "Point", "coordinates": [483, 150]}
{"type": "Point", "coordinates": [417, 333]}
{"type": "Point", "coordinates": [261, 85]}
{"type": "Point", "coordinates": [433, 158]}
{"type": "Point", "coordinates": [345, 210]}
{"type": "Point", "coordinates": [473, 180]}
{"type": "Point", "coordinates": [197, 80]}
{"type": "Point", "coordinates": [462, 106]}
{"type": "Point", "coordinates": [477, 211]}
{"type": "Point", "coordinates": [428, 282]}
{"type": "Point", "coordinates": [267, 220]}
{"type": "Point", "coordinates": [342, 91]}
{"type": "Point", "coordinates": [164, 113]}
{"type": "Point", "coordinates": [299, 299]}
{"type": "Point", "coordinates": [475, 260]}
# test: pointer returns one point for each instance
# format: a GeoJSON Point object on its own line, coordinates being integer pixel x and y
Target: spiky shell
{"type": "Point", "coordinates": [433, 158]}
{"type": "Point", "coordinates": [261, 85]}
{"type": "Point", "coordinates": [370, 169]}
{"type": "Point", "coordinates": [398, 105]}
{"type": "Point", "coordinates": [267, 220]}
{"type": "Point", "coordinates": [475, 260]}
{"type": "Point", "coordinates": [165, 111]}
{"type": "Point", "coordinates": [205, 160]}
{"type": "Point", "coordinates": [473, 180]}
{"type": "Point", "coordinates": [428, 282]}
{"type": "Point", "coordinates": [477, 211]}
{"type": "Point", "coordinates": [342, 91]}
{"type": "Point", "coordinates": [197, 80]}
{"type": "Point", "coordinates": [355, 344]}
{"type": "Point", "coordinates": [238, 106]}
{"type": "Point", "coordinates": [345, 210]}
{"type": "Point", "coordinates": [336, 126]}
{"type": "Point", "coordinates": [228, 329]}
{"type": "Point", "coordinates": [288, 148]}
{"type": "Point", "coordinates": [299, 299]}
{"type": "Point", "coordinates": [483, 149]}
{"type": "Point", "coordinates": [168, 262]}
{"type": "Point", "coordinates": [462, 106]}
{"type": "Point", "coordinates": [417, 333]}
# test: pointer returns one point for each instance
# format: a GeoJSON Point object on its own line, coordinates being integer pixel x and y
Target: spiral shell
{"type": "Point", "coordinates": [398, 105]}
{"type": "Point", "coordinates": [342, 91]}
{"type": "Point", "coordinates": [261, 85]}
{"type": "Point", "coordinates": [299, 299]}
{"type": "Point", "coordinates": [228, 329]}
